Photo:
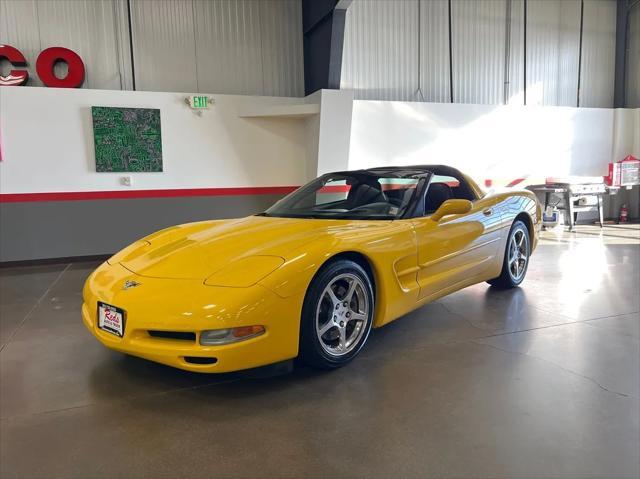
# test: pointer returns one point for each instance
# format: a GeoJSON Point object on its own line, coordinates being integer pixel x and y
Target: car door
{"type": "Point", "coordinates": [458, 249]}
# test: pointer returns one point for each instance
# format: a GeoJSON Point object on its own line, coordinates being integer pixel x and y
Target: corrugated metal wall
{"type": "Point", "coordinates": [281, 47]}
{"type": "Point", "coordinates": [222, 46]}
{"type": "Point", "coordinates": [236, 48]}
{"type": "Point", "coordinates": [434, 51]}
{"type": "Point", "coordinates": [478, 47]}
{"type": "Point", "coordinates": [598, 53]}
{"type": "Point", "coordinates": [553, 48]}
{"type": "Point", "coordinates": [515, 74]}
{"type": "Point", "coordinates": [381, 52]}
{"type": "Point", "coordinates": [380, 55]}
{"type": "Point", "coordinates": [382, 59]}
{"type": "Point", "coordinates": [85, 26]}
{"type": "Point", "coordinates": [633, 59]}
{"type": "Point", "coordinates": [393, 49]}
{"type": "Point", "coordinates": [164, 48]}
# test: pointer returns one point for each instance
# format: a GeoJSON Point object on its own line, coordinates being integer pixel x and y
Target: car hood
{"type": "Point", "coordinates": [198, 250]}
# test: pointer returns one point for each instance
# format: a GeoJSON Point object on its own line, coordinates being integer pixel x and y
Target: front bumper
{"type": "Point", "coordinates": [189, 306]}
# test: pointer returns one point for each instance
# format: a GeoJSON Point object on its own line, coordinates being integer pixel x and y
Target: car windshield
{"type": "Point", "coordinates": [357, 195]}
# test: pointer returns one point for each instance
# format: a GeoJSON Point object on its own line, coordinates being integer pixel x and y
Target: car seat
{"type": "Point", "coordinates": [437, 194]}
{"type": "Point", "coordinates": [365, 194]}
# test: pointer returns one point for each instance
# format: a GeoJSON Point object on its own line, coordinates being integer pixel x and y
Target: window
{"type": "Point", "coordinates": [443, 188]}
{"type": "Point", "coordinates": [332, 191]}
{"type": "Point", "coordinates": [357, 195]}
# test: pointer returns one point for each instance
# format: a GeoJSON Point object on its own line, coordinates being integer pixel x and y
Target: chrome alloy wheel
{"type": "Point", "coordinates": [342, 314]}
{"type": "Point", "coordinates": [518, 253]}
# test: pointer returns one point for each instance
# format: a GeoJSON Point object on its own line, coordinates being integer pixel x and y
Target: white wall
{"type": "Point", "coordinates": [334, 135]}
{"type": "Point", "coordinates": [501, 143]}
{"type": "Point", "coordinates": [626, 133]}
{"type": "Point", "coordinates": [48, 145]}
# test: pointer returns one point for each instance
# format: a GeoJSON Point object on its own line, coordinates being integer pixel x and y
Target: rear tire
{"type": "Point", "coordinates": [336, 315]}
{"type": "Point", "coordinates": [516, 257]}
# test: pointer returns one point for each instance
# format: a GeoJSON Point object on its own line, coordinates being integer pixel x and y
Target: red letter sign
{"type": "Point", "coordinates": [15, 77]}
{"type": "Point", "coordinates": [47, 60]}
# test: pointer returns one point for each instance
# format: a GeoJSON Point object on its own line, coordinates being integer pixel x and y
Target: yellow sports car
{"type": "Point", "coordinates": [313, 274]}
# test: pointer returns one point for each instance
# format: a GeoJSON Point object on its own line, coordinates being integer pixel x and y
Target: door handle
{"type": "Point", "coordinates": [487, 212]}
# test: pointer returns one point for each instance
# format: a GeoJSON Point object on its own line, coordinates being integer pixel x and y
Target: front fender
{"type": "Point", "coordinates": [391, 253]}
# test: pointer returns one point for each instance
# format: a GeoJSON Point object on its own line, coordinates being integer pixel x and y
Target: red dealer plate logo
{"type": "Point", "coordinates": [111, 319]}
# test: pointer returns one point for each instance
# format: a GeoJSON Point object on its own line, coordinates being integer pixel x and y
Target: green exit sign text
{"type": "Point", "coordinates": [199, 102]}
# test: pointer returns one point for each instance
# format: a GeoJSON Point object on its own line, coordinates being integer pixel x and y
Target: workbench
{"type": "Point", "coordinates": [571, 193]}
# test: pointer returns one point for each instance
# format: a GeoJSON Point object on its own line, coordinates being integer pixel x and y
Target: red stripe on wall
{"type": "Point", "coordinates": [335, 189]}
{"type": "Point", "coordinates": [515, 182]}
{"type": "Point", "coordinates": [120, 195]}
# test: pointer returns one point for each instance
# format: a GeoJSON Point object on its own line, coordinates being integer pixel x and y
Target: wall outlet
{"type": "Point", "coordinates": [125, 181]}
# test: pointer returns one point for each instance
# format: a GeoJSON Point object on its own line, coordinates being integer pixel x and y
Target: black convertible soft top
{"type": "Point", "coordinates": [411, 201]}
{"type": "Point", "coordinates": [407, 171]}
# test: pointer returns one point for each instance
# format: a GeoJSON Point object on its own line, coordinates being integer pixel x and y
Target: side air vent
{"type": "Point", "coordinates": [199, 360]}
{"type": "Point", "coordinates": [180, 335]}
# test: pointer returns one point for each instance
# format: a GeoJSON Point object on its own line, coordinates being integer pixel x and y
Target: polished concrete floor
{"type": "Point", "coordinates": [539, 381]}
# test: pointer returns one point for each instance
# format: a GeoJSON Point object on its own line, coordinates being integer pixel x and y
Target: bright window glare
{"type": "Point", "coordinates": [501, 143]}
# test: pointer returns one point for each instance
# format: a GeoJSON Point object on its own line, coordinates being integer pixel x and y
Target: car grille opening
{"type": "Point", "coordinates": [181, 335]}
{"type": "Point", "coordinates": [200, 360]}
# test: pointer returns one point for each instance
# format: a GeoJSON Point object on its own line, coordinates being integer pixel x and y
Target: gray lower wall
{"type": "Point", "coordinates": [59, 229]}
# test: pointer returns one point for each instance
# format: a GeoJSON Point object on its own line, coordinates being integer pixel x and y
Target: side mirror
{"type": "Point", "coordinates": [452, 207]}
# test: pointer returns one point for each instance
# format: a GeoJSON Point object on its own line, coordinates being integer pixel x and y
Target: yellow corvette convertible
{"type": "Point", "coordinates": [313, 274]}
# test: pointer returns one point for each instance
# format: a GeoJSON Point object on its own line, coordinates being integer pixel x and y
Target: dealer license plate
{"type": "Point", "coordinates": [111, 319]}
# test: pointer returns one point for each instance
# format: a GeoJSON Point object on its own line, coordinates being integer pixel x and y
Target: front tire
{"type": "Point", "coordinates": [336, 315]}
{"type": "Point", "coordinates": [516, 257]}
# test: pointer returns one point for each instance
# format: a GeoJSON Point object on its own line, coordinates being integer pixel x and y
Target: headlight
{"type": "Point", "coordinates": [245, 272]}
{"type": "Point", "coordinates": [212, 337]}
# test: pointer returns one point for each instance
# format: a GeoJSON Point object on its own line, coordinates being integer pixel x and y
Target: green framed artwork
{"type": "Point", "coordinates": [127, 139]}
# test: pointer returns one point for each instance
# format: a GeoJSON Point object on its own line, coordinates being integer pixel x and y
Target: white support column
{"type": "Point", "coordinates": [335, 130]}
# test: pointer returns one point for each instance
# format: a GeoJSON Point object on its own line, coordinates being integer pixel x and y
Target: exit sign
{"type": "Point", "coordinates": [200, 102]}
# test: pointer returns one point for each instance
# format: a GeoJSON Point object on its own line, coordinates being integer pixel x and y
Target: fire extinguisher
{"type": "Point", "coordinates": [624, 214]}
